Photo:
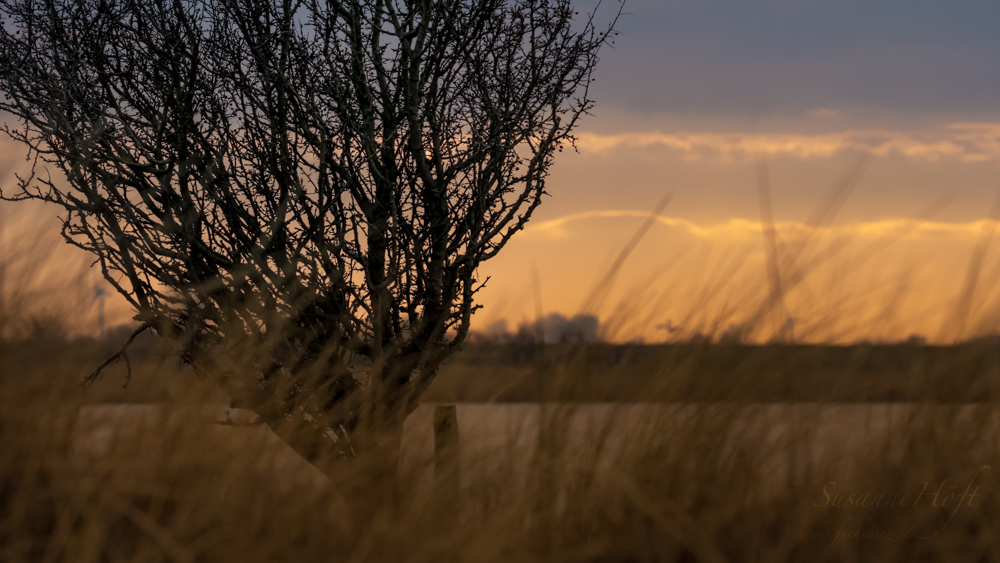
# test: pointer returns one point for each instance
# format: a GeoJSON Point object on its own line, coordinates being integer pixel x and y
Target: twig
{"type": "Point", "coordinates": [229, 421]}
{"type": "Point", "coordinates": [120, 354]}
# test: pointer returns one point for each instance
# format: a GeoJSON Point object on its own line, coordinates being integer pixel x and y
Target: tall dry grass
{"type": "Point", "coordinates": [725, 480]}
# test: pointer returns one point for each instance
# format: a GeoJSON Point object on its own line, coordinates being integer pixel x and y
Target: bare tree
{"type": "Point", "coordinates": [298, 191]}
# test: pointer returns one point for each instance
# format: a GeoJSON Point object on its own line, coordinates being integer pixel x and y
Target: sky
{"type": "Point", "coordinates": [690, 97]}
{"type": "Point", "coordinates": [879, 123]}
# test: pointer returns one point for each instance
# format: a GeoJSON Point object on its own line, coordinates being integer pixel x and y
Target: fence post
{"type": "Point", "coordinates": [446, 463]}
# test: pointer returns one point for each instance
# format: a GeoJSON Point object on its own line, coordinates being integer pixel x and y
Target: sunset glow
{"type": "Point", "coordinates": [688, 100]}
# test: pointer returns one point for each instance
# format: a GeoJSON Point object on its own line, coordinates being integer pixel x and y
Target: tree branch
{"type": "Point", "coordinates": [120, 354]}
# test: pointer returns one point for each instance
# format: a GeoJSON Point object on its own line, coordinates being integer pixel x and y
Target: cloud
{"type": "Point", "coordinates": [966, 142]}
{"type": "Point", "coordinates": [561, 227]}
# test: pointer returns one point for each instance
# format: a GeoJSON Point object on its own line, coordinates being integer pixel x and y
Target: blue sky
{"type": "Point", "coordinates": [751, 59]}
{"type": "Point", "coordinates": [918, 81]}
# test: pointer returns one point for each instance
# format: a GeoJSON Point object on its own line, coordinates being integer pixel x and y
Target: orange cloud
{"type": "Point", "coordinates": [735, 229]}
{"type": "Point", "coordinates": [967, 142]}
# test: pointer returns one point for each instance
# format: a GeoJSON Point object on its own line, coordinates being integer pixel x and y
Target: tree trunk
{"type": "Point", "coordinates": [369, 481]}
{"type": "Point", "coordinates": [447, 472]}
{"type": "Point", "coordinates": [366, 478]}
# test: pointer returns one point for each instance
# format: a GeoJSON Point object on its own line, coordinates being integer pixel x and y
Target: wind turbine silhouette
{"type": "Point", "coordinates": [99, 296]}
{"type": "Point", "coordinates": [790, 328]}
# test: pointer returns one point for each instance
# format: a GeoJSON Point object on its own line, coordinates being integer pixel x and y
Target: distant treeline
{"type": "Point", "coordinates": [553, 328]}
{"type": "Point", "coordinates": [706, 371]}
{"type": "Point", "coordinates": [528, 371]}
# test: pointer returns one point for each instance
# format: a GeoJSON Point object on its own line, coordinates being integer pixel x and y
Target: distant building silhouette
{"type": "Point", "coordinates": [557, 328]}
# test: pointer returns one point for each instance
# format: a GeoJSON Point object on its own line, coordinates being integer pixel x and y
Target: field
{"type": "Point", "coordinates": [685, 452]}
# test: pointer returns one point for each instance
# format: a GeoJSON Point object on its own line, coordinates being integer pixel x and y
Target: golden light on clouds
{"type": "Point", "coordinates": [739, 229]}
{"type": "Point", "coordinates": [966, 142]}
